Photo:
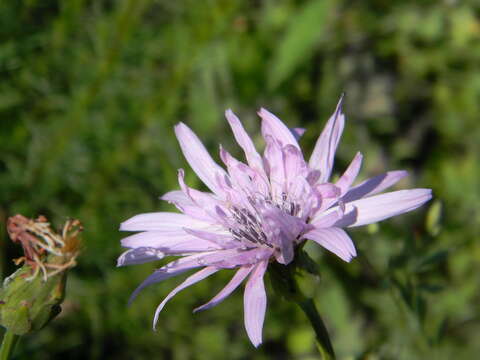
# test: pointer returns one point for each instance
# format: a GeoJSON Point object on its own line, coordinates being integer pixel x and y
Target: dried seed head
{"type": "Point", "coordinates": [28, 302]}
{"type": "Point", "coordinates": [45, 250]}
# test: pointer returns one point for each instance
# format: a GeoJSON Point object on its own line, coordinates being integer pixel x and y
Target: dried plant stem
{"type": "Point", "coordinates": [8, 345]}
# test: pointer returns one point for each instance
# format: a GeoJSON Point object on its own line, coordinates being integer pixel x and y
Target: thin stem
{"type": "Point", "coordinates": [285, 282]}
{"type": "Point", "coordinates": [8, 345]}
{"type": "Point", "coordinates": [323, 339]}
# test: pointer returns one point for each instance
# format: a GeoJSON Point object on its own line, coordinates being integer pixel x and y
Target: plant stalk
{"type": "Point", "coordinates": [284, 280]}
{"type": "Point", "coordinates": [324, 344]}
{"type": "Point", "coordinates": [8, 345]}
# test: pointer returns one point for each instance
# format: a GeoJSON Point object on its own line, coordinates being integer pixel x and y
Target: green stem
{"type": "Point", "coordinates": [323, 339]}
{"type": "Point", "coordinates": [8, 345]}
{"type": "Point", "coordinates": [285, 282]}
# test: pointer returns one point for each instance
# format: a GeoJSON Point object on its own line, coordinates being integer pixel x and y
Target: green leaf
{"type": "Point", "coordinates": [298, 44]}
{"type": "Point", "coordinates": [433, 218]}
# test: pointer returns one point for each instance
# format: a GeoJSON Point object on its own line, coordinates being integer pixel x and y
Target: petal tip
{"type": "Point", "coordinates": [257, 343]}
{"type": "Point", "coordinates": [124, 226]}
{"type": "Point", "coordinates": [179, 125]}
{"type": "Point", "coordinates": [262, 111]}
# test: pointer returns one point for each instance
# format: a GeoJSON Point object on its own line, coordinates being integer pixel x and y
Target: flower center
{"type": "Point", "coordinates": [249, 222]}
{"type": "Point", "coordinates": [250, 227]}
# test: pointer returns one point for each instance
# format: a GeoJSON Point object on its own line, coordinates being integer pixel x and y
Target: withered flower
{"type": "Point", "coordinates": [32, 295]}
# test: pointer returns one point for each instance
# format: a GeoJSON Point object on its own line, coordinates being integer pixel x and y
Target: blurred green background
{"type": "Point", "coordinates": [89, 94]}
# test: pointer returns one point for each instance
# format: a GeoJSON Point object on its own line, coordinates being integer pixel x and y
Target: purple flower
{"type": "Point", "coordinates": [259, 211]}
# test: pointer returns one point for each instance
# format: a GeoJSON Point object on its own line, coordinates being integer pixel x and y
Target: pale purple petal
{"type": "Point", "coordinates": [342, 185]}
{"type": "Point", "coordinates": [374, 185]}
{"type": "Point", "coordinates": [305, 199]}
{"type": "Point", "coordinates": [244, 178]}
{"type": "Point", "coordinates": [376, 208]}
{"type": "Point", "coordinates": [198, 276]}
{"type": "Point", "coordinates": [275, 128]}
{"type": "Point", "coordinates": [169, 242]}
{"type": "Point", "coordinates": [294, 164]}
{"type": "Point", "coordinates": [236, 280]}
{"type": "Point", "coordinates": [328, 190]}
{"type": "Point", "coordinates": [207, 202]}
{"type": "Point", "coordinates": [177, 197]}
{"type": "Point", "coordinates": [313, 176]}
{"type": "Point", "coordinates": [286, 248]}
{"type": "Point", "coordinates": [282, 230]}
{"type": "Point", "coordinates": [349, 176]}
{"type": "Point", "coordinates": [328, 218]}
{"type": "Point", "coordinates": [324, 151]}
{"type": "Point", "coordinates": [139, 255]}
{"type": "Point", "coordinates": [161, 221]}
{"type": "Point", "coordinates": [229, 259]}
{"type": "Point", "coordinates": [199, 158]}
{"type": "Point", "coordinates": [240, 174]}
{"type": "Point", "coordinates": [171, 269]}
{"type": "Point", "coordinates": [298, 132]}
{"type": "Point", "coordinates": [253, 157]}
{"type": "Point", "coordinates": [219, 259]}
{"type": "Point", "coordinates": [255, 304]}
{"type": "Point", "coordinates": [274, 159]}
{"type": "Point", "coordinates": [223, 239]}
{"type": "Point", "coordinates": [335, 240]}
{"type": "Point", "coordinates": [196, 212]}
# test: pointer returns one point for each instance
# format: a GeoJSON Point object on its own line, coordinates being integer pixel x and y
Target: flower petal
{"type": "Point", "coordinates": [240, 174]}
{"type": "Point", "coordinates": [282, 229]}
{"type": "Point", "coordinates": [374, 185]}
{"type": "Point", "coordinates": [328, 218]}
{"type": "Point", "coordinates": [341, 186]}
{"type": "Point", "coordinates": [304, 200]}
{"type": "Point", "coordinates": [161, 221]}
{"type": "Point", "coordinates": [199, 159]}
{"type": "Point", "coordinates": [171, 269]}
{"type": "Point", "coordinates": [169, 242]}
{"type": "Point", "coordinates": [380, 207]}
{"type": "Point", "coordinates": [274, 127]}
{"type": "Point", "coordinates": [222, 239]}
{"type": "Point", "coordinates": [276, 170]}
{"type": "Point", "coordinates": [349, 176]}
{"type": "Point", "coordinates": [177, 197]}
{"type": "Point", "coordinates": [228, 259]}
{"type": "Point", "coordinates": [206, 203]}
{"type": "Point", "coordinates": [253, 157]}
{"type": "Point", "coordinates": [298, 132]}
{"type": "Point", "coordinates": [328, 190]}
{"type": "Point", "coordinates": [324, 151]}
{"type": "Point", "coordinates": [335, 240]}
{"type": "Point", "coordinates": [294, 164]}
{"type": "Point", "coordinates": [255, 304]}
{"type": "Point", "coordinates": [198, 276]}
{"type": "Point", "coordinates": [219, 259]}
{"type": "Point", "coordinates": [235, 281]}
{"type": "Point", "coordinates": [139, 255]}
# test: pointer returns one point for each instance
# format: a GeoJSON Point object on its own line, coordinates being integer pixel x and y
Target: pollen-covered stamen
{"type": "Point", "coordinates": [249, 227]}
{"type": "Point", "coordinates": [248, 221]}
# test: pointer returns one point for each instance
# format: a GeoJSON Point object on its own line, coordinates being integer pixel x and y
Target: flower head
{"type": "Point", "coordinates": [31, 297]}
{"type": "Point", "coordinates": [259, 211]}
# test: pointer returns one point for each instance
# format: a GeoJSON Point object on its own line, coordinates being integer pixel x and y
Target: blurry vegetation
{"type": "Point", "coordinates": [90, 91]}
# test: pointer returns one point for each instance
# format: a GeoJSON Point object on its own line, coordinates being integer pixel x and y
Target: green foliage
{"type": "Point", "coordinates": [89, 95]}
{"type": "Point", "coordinates": [298, 44]}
